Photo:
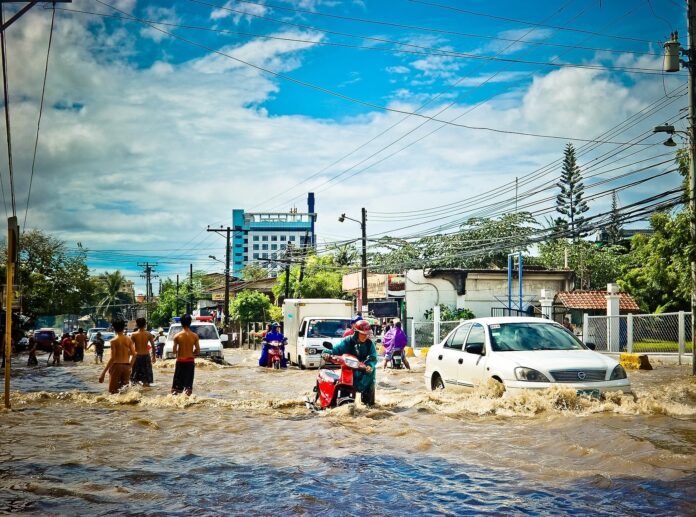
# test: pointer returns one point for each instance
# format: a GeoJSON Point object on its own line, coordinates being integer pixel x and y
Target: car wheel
{"type": "Point", "coordinates": [437, 383]}
{"type": "Point", "coordinates": [299, 363]}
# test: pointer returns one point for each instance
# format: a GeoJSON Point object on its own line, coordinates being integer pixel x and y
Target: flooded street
{"type": "Point", "coordinates": [245, 443]}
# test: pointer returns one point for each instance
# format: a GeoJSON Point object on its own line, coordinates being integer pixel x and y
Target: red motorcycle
{"type": "Point", "coordinates": [335, 388]}
{"type": "Point", "coordinates": [274, 355]}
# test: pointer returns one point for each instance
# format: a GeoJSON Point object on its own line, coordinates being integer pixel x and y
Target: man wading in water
{"type": "Point", "coordinates": [142, 368]}
{"type": "Point", "coordinates": [122, 357]}
{"type": "Point", "coordinates": [186, 346]}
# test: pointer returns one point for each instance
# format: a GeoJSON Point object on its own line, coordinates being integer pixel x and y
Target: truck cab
{"type": "Point", "coordinates": [308, 324]}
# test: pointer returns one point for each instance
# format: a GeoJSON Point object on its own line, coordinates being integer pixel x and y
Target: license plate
{"type": "Point", "coordinates": [595, 394]}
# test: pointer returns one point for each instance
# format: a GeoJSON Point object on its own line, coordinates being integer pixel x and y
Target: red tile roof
{"type": "Point", "coordinates": [595, 300]}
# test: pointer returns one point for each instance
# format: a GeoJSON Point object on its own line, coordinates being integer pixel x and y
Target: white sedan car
{"type": "Point", "coordinates": [209, 340]}
{"type": "Point", "coordinates": [522, 354]}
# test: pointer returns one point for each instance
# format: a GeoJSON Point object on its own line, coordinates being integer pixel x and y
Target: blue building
{"type": "Point", "coordinates": [264, 237]}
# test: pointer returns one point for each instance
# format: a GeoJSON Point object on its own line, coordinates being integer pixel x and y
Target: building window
{"type": "Point", "coordinates": [264, 255]}
{"type": "Point", "coordinates": [256, 255]}
{"type": "Point", "coordinates": [274, 246]}
{"type": "Point", "coordinates": [274, 237]}
{"type": "Point", "coordinates": [256, 237]}
{"type": "Point", "coordinates": [264, 246]}
{"type": "Point", "coordinates": [256, 246]}
{"type": "Point", "coordinates": [282, 238]}
{"type": "Point", "coordinates": [282, 246]}
{"type": "Point", "coordinates": [292, 238]}
{"type": "Point", "coordinates": [239, 254]}
{"type": "Point", "coordinates": [264, 238]}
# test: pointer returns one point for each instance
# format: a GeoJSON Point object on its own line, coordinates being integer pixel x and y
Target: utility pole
{"type": "Point", "coordinates": [176, 303]}
{"type": "Point", "coordinates": [671, 63]}
{"type": "Point", "coordinates": [227, 231]}
{"type": "Point", "coordinates": [148, 269]}
{"type": "Point", "coordinates": [288, 260]}
{"type": "Point", "coordinates": [189, 305]}
{"type": "Point", "coordinates": [363, 226]}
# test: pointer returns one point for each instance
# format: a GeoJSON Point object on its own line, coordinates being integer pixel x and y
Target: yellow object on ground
{"type": "Point", "coordinates": [423, 351]}
{"type": "Point", "coordinates": [635, 361]}
{"type": "Point", "coordinates": [380, 350]}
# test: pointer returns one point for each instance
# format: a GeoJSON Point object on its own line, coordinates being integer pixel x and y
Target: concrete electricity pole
{"type": "Point", "coordinates": [227, 232]}
{"type": "Point", "coordinates": [363, 228]}
{"type": "Point", "coordinates": [148, 269]}
{"type": "Point", "coordinates": [671, 64]}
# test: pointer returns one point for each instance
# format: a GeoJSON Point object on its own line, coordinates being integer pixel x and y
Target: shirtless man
{"type": "Point", "coordinates": [186, 346]}
{"type": "Point", "coordinates": [122, 357]}
{"type": "Point", "coordinates": [145, 348]}
{"type": "Point", "coordinates": [80, 345]}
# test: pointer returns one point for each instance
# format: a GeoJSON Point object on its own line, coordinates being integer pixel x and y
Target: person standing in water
{"type": "Point", "coordinates": [145, 348]}
{"type": "Point", "coordinates": [98, 348]}
{"type": "Point", "coordinates": [186, 347]}
{"type": "Point", "coordinates": [123, 356]}
{"type": "Point", "coordinates": [80, 344]}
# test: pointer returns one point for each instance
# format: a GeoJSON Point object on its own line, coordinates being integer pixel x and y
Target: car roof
{"type": "Point", "coordinates": [198, 323]}
{"type": "Point", "coordinates": [492, 320]}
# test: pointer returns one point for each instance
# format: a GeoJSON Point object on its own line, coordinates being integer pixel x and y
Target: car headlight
{"type": "Point", "coordinates": [529, 375]}
{"type": "Point", "coordinates": [618, 373]}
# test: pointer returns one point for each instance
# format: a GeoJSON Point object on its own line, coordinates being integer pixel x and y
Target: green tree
{"type": "Point", "coordinates": [253, 271]}
{"type": "Point", "coordinates": [449, 313]}
{"type": "Point", "coordinates": [52, 279]}
{"type": "Point", "coordinates": [321, 278]}
{"type": "Point", "coordinates": [614, 234]}
{"type": "Point", "coordinates": [658, 275]}
{"type": "Point", "coordinates": [112, 296]}
{"type": "Point", "coordinates": [250, 306]}
{"type": "Point", "coordinates": [570, 203]}
{"type": "Point", "coordinates": [345, 255]}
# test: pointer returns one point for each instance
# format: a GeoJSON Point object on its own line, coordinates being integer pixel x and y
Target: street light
{"type": "Point", "coordinates": [670, 131]}
{"type": "Point", "coordinates": [362, 224]}
{"type": "Point", "coordinates": [215, 259]}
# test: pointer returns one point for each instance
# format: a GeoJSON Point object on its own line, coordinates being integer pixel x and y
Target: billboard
{"type": "Point", "coordinates": [386, 309]}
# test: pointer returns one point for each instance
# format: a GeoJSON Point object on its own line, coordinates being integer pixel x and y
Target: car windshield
{"type": "Point", "coordinates": [106, 336]}
{"type": "Point", "coordinates": [203, 331]}
{"type": "Point", "coordinates": [327, 328]}
{"type": "Point", "coordinates": [43, 335]}
{"type": "Point", "coordinates": [518, 337]}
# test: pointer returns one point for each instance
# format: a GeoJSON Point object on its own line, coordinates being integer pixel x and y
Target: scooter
{"type": "Point", "coordinates": [274, 355]}
{"type": "Point", "coordinates": [333, 388]}
{"type": "Point", "coordinates": [397, 361]}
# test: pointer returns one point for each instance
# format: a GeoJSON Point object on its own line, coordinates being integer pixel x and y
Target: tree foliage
{"type": "Point", "coordinates": [112, 297]}
{"type": "Point", "coordinates": [448, 313]}
{"type": "Point", "coordinates": [250, 306]}
{"type": "Point", "coordinates": [53, 280]}
{"type": "Point", "coordinates": [321, 278]}
{"type": "Point", "coordinates": [614, 234]}
{"type": "Point", "coordinates": [253, 271]}
{"type": "Point", "coordinates": [166, 307]}
{"type": "Point", "coordinates": [658, 275]}
{"type": "Point", "coordinates": [570, 202]}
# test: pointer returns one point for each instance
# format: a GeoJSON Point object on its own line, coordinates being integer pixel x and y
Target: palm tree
{"type": "Point", "coordinates": [112, 295]}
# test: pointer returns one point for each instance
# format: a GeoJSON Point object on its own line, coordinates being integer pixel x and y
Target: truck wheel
{"type": "Point", "coordinates": [299, 362]}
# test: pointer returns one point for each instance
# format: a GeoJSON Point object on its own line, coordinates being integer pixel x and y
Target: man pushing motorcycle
{"type": "Point", "coordinates": [361, 346]}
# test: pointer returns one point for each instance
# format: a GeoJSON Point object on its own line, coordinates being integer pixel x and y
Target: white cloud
{"type": "Point", "coordinates": [236, 11]}
{"type": "Point", "coordinates": [397, 69]}
{"type": "Point", "coordinates": [158, 14]}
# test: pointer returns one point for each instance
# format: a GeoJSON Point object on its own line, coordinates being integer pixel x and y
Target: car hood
{"type": "Point", "coordinates": [557, 359]}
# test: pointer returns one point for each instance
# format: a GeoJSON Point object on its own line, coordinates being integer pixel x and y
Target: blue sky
{"type": "Point", "coordinates": [146, 138]}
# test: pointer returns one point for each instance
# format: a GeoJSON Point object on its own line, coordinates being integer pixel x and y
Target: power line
{"type": "Point", "coordinates": [6, 95]}
{"type": "Point", "coordinates": [38, 123]}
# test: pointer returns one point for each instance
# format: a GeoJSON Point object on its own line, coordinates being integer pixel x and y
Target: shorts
{"type": "Point", "coordinates": [183, 377]}
{"type": "Point", "coordinates": [142, 369]}
{"type": "Point", "coordinates": [391, 353]}
{"type": "Point", "coordinates": [119, 376]}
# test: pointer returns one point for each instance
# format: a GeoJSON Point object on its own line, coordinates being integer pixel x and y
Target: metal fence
{"type": "Point", "coordinates": [667, 333]}
{"type": "Point", "coordinates": [423, 332]}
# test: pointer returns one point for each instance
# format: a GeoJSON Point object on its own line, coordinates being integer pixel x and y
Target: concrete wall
{"type": "Point", "coordinates": [483, 291]}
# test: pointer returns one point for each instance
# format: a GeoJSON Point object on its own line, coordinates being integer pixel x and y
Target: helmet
{"type": "Point", "coordinates": [363, 327]}
{"type": "Point", "coordinates": [355, 319]}
{"type": "Point", "coordinates": [275, 324]}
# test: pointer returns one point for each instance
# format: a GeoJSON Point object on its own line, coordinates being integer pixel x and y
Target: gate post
{"type": "Point", "coordinates": [682, 334]}
{"type": "Point", "coordinates": [613, 320]}
{"type": "Point", "coordinates": [436, 325]}
{"type": "Point", "coordinates": [546, 301]}
{"type": "Point", "coordinates": [629, 333]}
{"type": "Point", "coordinates": [413, 334]}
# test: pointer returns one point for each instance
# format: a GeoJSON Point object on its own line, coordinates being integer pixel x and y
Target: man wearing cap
{"type": "Point", "coordinates": [361, 346]}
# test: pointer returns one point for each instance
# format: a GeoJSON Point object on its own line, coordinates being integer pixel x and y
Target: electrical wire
{"type": "Point", "coordinates": [6, 95]}
{"type": "Point", "coordinates": [38, 123]}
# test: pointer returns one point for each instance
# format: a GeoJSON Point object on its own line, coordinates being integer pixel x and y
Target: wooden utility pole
{"type": "Point", "coordinates": [12, 252]}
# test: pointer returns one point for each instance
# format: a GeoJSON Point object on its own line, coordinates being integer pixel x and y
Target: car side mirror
{"type": "Point", "coordinates": [474, 348]}
{"type": "Point", "coordinates": [591, 346]}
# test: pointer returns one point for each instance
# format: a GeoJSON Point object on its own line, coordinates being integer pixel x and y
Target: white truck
{"type": "Point", "coordinates": [308, 323]}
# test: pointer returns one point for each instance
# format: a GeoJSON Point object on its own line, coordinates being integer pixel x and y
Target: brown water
{"type": "Point", "coordinates": [245, 443]}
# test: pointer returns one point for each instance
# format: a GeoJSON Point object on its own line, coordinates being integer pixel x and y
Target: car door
{"type": "Point", "coordinates": [447, 359]}
{"type": "Point", "coordinates": [471, 366]}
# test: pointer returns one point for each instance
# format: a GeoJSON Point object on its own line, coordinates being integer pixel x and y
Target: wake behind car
{"type": "Point", "coordinates": [522, 354]}
{"type": "Point", "coordinates": [210, 341]}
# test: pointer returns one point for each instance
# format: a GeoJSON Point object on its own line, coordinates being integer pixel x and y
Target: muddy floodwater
{"type": "Point", "coordinates": [244, 443]}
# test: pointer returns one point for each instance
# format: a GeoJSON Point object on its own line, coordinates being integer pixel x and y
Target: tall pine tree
{"type": "Point", "coordinates": [614, 228]}
{"type": "Point", "coordinates": [569, 202]}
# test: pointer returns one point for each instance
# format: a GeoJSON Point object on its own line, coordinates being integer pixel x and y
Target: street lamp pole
{"type": "Point", "coordinates": [363, 228]}
{"type": "Point", "coordinates": [671, 63]}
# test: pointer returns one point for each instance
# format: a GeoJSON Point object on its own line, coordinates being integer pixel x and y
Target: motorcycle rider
{"type": "Point", "coordinates": [361, 346]}
{"type": "Point", "coordinates": [273, 334]}
{"type": "Point", "coordinates": [395, 339]}
{"type": "Point", "coordinates": [353, 321]}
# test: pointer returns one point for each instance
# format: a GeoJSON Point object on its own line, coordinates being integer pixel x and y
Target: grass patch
{"type": "Point", "coordinates": [659, 346]}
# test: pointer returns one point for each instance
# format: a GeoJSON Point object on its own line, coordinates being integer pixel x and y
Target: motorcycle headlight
{"type": "Point", "coordinates": [529, 375]}
{"type": "Point", "coordinates": [353, 363]}
{"type": "Point", "coordinates": [618, 373]}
